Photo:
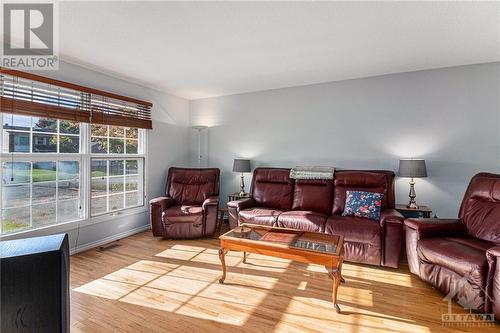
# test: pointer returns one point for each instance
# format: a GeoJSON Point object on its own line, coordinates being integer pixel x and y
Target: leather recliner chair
{"type": "Point", "coordinates": [317, 205]}
{"type": "Point", "coordinates": [461, 257]}
{"type": "Point", "coordinates": [189, 209]}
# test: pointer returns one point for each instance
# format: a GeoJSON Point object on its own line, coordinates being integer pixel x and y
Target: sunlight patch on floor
{"type": "Point", "coordinates": [374, 275]}
{"type": "Point", "coordinates": [152, 266]}
{"type": "Point", "coordinates": [179, 254]}
{"type": "Point", "coordinates": [157, 298]}
{"type": "Point", "coordinates": [131, 276]}
{"type": "Point", "coordinates": [302, 312]}
{"type": "Point", "coordinates": [211, 256]}
{"type": "Point", "coordinates": [187, 290]}
{"type": "Point", "coordinates": [302, 285]}
{"type": "Point", "coordinates": [196, 273]}
{"type": "Point", "coordinates": [106, 289]}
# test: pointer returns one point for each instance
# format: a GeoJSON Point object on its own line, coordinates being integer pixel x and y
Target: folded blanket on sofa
{"type": "Point", "coordinates": [312, 173]}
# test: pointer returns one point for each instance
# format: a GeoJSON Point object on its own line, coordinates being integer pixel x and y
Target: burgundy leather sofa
{"type": "Point", "coordinates": [461, 257]}
{"type": "Point", "coordinates": [189, 209]}
{"type": "Point", "coordinates": [317, 205]}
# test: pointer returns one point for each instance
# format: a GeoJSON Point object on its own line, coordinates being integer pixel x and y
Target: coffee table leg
{"type": "Point", "coordinates": [335, 273]}
{"type": "Point", "coordinates": [244, 257]}
{"type": "Point", "coordinates": [222, 257]}
{"type": "Point", "coordinates": [340, 272]}
{"type": "Point", "coordinates": [336, 282]}
{"type": "Point", "coordinates": [342, 280]}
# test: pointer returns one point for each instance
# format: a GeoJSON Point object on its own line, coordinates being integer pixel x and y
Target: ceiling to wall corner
{"type": "Point", "coordinates": [201, 49]}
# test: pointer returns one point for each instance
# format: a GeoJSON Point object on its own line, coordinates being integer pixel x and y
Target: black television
{"type": "Point", "coordinates": [34, 285]}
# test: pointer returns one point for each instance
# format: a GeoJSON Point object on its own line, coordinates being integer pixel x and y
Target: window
{"type": "Point", "coordinates": [67, 152]}
{"type": "Point", "coordinates": [46, 162]}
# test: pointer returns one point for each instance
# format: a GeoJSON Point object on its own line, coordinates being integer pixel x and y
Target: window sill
{"type": "Point", "coordinates": [68, 226]}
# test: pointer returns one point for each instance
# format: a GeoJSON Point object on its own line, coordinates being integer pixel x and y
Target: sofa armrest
{"type": "Point", "coordinates": [210, 209]}
{"type": "Point", "coordinates": [241, 204]}
{"type": "Point", "coordinates": [492, 299]}
{"type": "Point", "coordinates": [163, 202]}
{"type": "Point", "coordinates": [427, 228]}
{"type": "Point", "coordinates": [157, 206]}
{"type": "Point", "coordinates": [416, 229]}
{"type": "Point", "coordinates": [391, 216]}
{"type": "Point", "coordinates": [210, 201]}
{"type": "Point", "coordinates": [234, 207]}
{"type": "Point", "coordinates": [391, 222]}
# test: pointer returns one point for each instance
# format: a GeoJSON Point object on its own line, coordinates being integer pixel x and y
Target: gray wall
{"type": "Point", "coordinates": [166, 146]}
{"type": "Point", "coordinates": [450, 117]}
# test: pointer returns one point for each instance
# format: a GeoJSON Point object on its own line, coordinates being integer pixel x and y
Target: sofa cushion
{"type": "Point", "coordinates": [314, 195]}
{"type": "Point", "coordinates": [183, 213]}
{"type": "Point", "coordinates": [259, 215]}
{"type": "Point", "coordinates": [303, 220]}
{"type": "Point", "coordinates": [272, 188]}
{"type": "Point", "coordinates": [363, 204]}
{"type": "Point", "coordinates": [464, 256]}
{"type": "Point", "coordinates": [369, 181]}
{"type": "Point", "coordinates": [355, 229]}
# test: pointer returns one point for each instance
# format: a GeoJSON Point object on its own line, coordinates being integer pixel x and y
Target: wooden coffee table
{"type": "Point", "coordinates": [297, 245]}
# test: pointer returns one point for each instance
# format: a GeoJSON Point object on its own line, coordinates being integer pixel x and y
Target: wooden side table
{"type": "Point", "coordinates": [420, 212]}
{"type": "Point", "coordinates": [220, 221]}
{"type": "Point", "coordinates": [236, 196]}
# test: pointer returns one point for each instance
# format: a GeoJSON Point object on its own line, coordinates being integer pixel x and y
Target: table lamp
{"type": "Point", "coordinates": [409, 168]}
{"type": "Point", "coordinates": [242, 166]}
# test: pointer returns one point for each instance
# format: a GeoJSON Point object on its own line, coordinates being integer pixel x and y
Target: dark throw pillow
{"type": "Point", "coordinates": [363, 204]}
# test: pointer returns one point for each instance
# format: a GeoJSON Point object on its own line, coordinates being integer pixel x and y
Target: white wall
{"type": "Point", "coordinates": [167, 145]}
{"type": "Point", "coordinates": [450, 117]}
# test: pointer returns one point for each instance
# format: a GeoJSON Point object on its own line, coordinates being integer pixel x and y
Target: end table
{"type": "Point", "coordinates": [220, 221]}
{"type": "Point", "coordinates": [420, 212]}
{"type": "Point", "coordinates": [236, 196]}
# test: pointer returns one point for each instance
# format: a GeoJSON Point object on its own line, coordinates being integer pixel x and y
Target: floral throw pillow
{"type": "Point", "coordinates": [363, 204]}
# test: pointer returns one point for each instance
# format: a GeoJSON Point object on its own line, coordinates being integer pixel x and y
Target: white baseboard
{"type": "Point", "coordinates": [99, 242]}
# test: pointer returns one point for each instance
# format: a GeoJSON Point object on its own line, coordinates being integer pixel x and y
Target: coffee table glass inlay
{"type": "Point", "coordinates": [298, 245]}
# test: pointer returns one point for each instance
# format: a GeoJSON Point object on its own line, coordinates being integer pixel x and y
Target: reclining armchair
{"type": "Point", "coordinates": [461, 257]}
{"type": "Point", "coordinates": [189, 209]}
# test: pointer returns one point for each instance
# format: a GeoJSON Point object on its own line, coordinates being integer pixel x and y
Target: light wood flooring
{"type": "Point", "coordinates": [151, 285]}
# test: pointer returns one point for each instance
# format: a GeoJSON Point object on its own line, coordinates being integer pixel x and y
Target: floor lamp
{"type": "Point", "coordinates": [199, 129]}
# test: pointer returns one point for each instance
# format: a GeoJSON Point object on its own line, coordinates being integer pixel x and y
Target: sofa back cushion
{"type": "Point", "coordinates": [315, 195]}
{"type": "Point", "coordinates": [272, 187]}
{"type": "Point", "coordinates": [378, 181]}
{"type": "Point", "coordinates": [192, 186]}
{"type": "Point", "coordinates": [480, 209]}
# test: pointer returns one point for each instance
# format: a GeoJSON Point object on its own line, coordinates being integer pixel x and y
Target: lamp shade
{"type": "Point", "coordinates": [412, 168]}
{"type": "Point", "coordinates": [240, 165]}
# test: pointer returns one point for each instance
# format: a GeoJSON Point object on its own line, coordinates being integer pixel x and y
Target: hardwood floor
{"type": "Point", "coordinates": [150, 285]}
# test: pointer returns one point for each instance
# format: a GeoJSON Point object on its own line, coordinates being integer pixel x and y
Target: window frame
{"type": "Point", "coordinates": [85, 158]}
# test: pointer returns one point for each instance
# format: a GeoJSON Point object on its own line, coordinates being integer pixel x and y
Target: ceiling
{"type": "Point", "coordinates": [201, 49]}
